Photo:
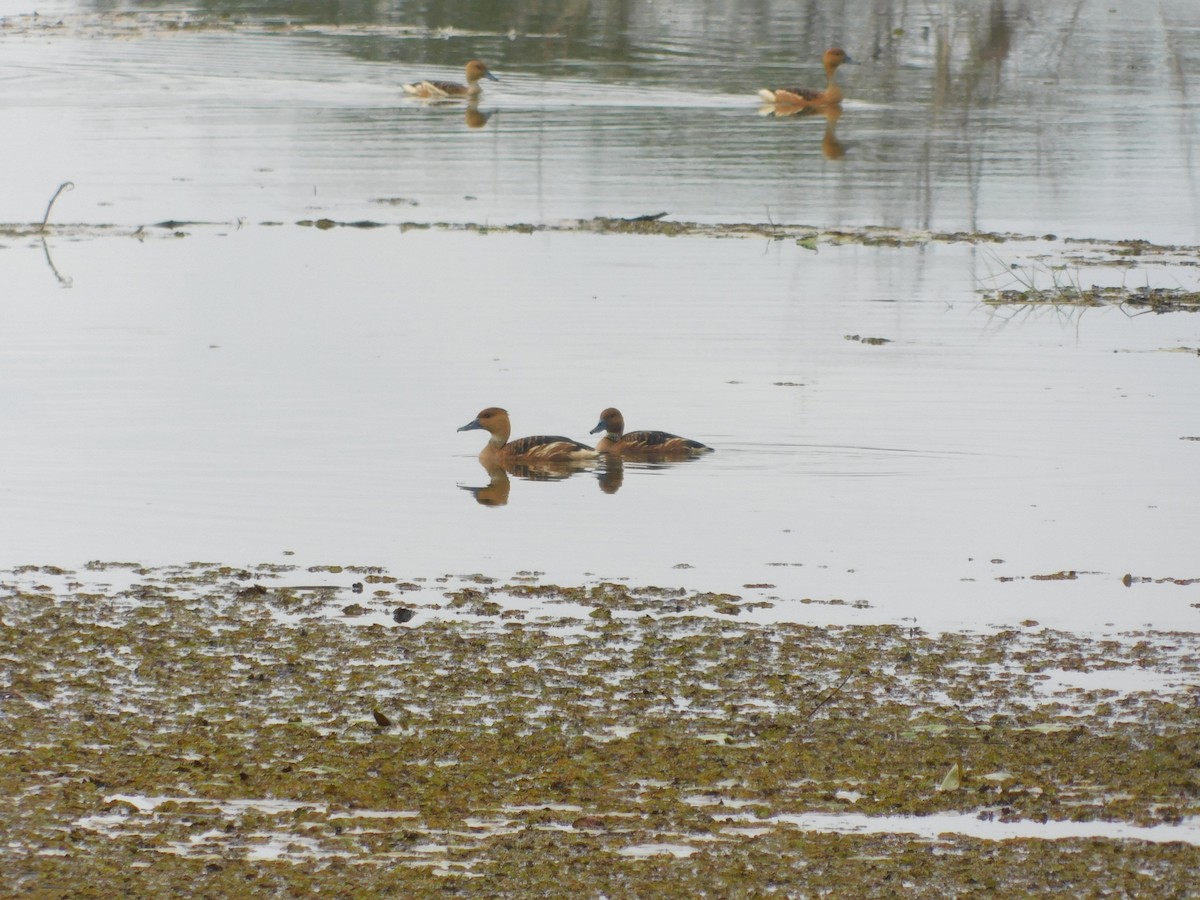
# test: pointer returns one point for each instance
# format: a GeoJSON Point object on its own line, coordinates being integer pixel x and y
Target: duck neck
{"type": "Point", "coordinates": [833, 93]}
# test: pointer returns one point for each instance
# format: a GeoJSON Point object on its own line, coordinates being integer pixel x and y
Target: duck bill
{"type": "Point", "coordinates": [490, 77]}
{"type": "Point", "coordinates": [471, 426]}
{"type": "Point", "coordinates": [600, 427]}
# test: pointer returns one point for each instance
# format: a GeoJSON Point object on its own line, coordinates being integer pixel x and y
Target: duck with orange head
{"type": "Point", "coordinates": [809, 97]}
{"type": "Point", "coordinates": [443, 90]}
{"type": "Point", "coordinates": [500, 451]}
{"type": "Point", "coordinates": [647, 445]}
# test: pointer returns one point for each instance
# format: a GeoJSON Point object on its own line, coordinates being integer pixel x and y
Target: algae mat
{"type": "Point", "coordinates": [211, 731]}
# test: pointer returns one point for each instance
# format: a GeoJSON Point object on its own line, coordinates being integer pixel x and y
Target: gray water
{"type": "Point", "coordinates": [1071, 118]}
{"type": "Point", "coordinates": [247, 391]}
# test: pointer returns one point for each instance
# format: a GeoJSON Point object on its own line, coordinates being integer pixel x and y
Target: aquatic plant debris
{"type": "Point", "coordinates": [1013, 285]}
{"type": "Point", "coordinates": [1158, 300]}
{"type": "Point", "coordinates": [232, 729]}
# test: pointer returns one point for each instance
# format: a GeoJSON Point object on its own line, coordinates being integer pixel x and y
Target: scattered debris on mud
{"type": "Point", "coordinates": [239, 726]}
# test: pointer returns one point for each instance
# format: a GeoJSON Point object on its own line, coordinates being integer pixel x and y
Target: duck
{"type": "Point", "coordinates": [831, 96]}
{"type": "Point", "coordinates": [642, 444]}
{"type": "Point", "coordinates": [440, 90]}
{"type": "Point", "coordinates": [499, 450]}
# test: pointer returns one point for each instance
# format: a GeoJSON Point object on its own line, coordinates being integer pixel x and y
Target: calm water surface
{"type": "Point", "coordinates": [250, 390]}
{"type": "Point", "coordinates": [1072, 118]}
{"type": "Point", "coordinates": [232, 396]}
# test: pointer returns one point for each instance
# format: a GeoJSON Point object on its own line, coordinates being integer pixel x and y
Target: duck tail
{"type": "Point", "coordinates": [767, 95]}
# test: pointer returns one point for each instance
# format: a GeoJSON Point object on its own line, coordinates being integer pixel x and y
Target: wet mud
{"type": "Point", "coordinates": [274, 729]}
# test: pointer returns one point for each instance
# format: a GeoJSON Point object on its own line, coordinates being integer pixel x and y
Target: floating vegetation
{"type": "Point", "coordinates": [1158, 300]}
{"type": "Point", "coordinates": [1018, 286]}
{"type": "Point", "coordinates": [1057, 284]}
{"type": "Point", "coordinates": [237, 727]}
{"type": "Point", "coordinates": [870, 341]}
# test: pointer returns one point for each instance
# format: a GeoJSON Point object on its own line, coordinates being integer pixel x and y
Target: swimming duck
{"type": "Point", "coordinates": [542, 448]}
{"type": "Point", "coordinates": [642, 444]}
{"type": "Point", "coordinates": [806, 97]}
{"type": "Point", "coordinates": [439, 90]}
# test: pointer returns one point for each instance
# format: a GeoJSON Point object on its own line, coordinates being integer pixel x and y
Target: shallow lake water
{"type": "Point", "coordinates": [251, 390]}
{"type": "Point", "coordinates": [1036, 117]}
{"type": "Point", "coordinates": [232, 395]}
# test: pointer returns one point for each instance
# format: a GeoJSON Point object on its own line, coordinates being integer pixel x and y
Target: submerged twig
{"type": "Point", "coordinates": [833, 693]}
{"type": "Point", "coordinates": [65, 186]}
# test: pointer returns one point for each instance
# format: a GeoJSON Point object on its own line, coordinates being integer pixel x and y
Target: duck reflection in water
{"type": "Point", "coordinates": [496, 491]}
{"type": "Point", "coordinates": [611, 474]}
{"type": "Point", "coordinates": [831, 147]}
{"type": "Point", "coordinates": [611, 471]}
{"type": "Point", "coordinates": [474, 117]}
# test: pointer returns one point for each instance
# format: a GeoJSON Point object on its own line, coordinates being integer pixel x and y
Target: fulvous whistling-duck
{"type": "Point", "coordinates": [831, 96]}
{"type": "Point", "coordinates": [642, 444]}
{"type": "Point", "coordinates": [440, 90]}
{"type": "Point", "coordinates": [542, 448]}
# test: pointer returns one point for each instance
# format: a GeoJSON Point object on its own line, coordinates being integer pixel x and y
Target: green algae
{"type": "Point", "coordinates": [509, 748]}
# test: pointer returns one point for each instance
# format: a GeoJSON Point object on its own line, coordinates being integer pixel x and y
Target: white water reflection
{"type": "Point", "coordinates": [933, 827]}
{"type": "Point", "coordinates": [937, 826]}
{"type": "Point", "coordinates": [960, 118]}
{"type": "Point", "coordinates": [234, 395]}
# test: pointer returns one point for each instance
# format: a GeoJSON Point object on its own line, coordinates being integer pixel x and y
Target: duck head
{"type": "Point", "coordinates": [494, 421]}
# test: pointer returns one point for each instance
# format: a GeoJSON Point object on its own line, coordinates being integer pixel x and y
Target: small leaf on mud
{"type": "Point", "coordinates": [953, 779]}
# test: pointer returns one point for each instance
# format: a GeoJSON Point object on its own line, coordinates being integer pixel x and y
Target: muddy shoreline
{"type": "Point", "coordinates": [278, 729]}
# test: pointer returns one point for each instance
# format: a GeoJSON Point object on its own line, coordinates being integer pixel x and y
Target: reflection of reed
{"type": "Point", "coordinates": [62, 188]}
{"type": "Point", "coordinates": [65, 281]}
{"type": "Point", "coordinates": [990, 36]}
